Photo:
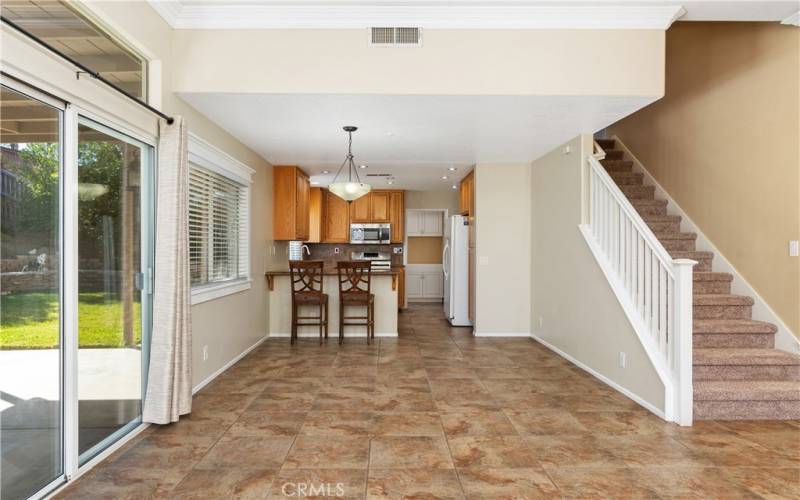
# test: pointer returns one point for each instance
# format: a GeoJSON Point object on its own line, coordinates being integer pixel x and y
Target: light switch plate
{"type": "Point", "coordinates": [484, 260]}
{"type": "Point", "coordinates": [794, 248]}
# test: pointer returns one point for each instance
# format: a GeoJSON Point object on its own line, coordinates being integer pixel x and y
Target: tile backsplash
{"type": "Point", "coordinates": [327, 252]}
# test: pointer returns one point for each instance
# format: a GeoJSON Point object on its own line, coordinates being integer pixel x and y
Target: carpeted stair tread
{"type": "Point", "coordinates": [732, 326]}
{"type": "Point", "coordinates": [638, 192]}
{"type": "Point", "coordinates": [614, 154]}
{"type": "Point", "coordinates": [744, 356]}
{"type": "Point", "coordinates": [661, 218]}
{"type": "Point", "coordinates": [617, 165]}
{"type": "Point", "coordinates": [694, 255]}
{"type": "Point", "coordinates": [675, 235]}
{"type": "Point", "coordinates": [627, 178]}
{"type": "Point", "coordinates": [710, 276]}
{"type": "Point", "coordinates": [722, 299]}
{"type": "Point", "coordinates": [747, 390]}
{"type": "Point", "coordinates": [606, 143]}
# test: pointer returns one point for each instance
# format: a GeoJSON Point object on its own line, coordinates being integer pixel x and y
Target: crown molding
{"type": "Point", "coordinates": [794, 19]}
{"type": "Point", "coordinates": [467, 15]}
{"type": "Point", "coordinates": [170, 10]}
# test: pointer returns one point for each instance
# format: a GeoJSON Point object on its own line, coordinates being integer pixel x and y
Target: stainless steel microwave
{"type": "Point", "coordinates": [370, 234]}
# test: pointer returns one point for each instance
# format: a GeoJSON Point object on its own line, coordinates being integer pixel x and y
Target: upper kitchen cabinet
{"type": "Point", "coordinates": [291, 197]}
{"type": "Point", "coordinates": [379, 206]}
{"type": "Point", "coordinates": [467, 192]}
{"type": "Point", "coordinates": [316, 212]}
{"type": "Point", "coordinates": [336, 219]}
{"type": "Point", "coordinates": [424, 223]}
{"type": "Point", "coordinates": [373, 207]}
{"type": "Point", "coordinates": [360, 208]}
{"type": "Point", "coordinates": [397, 211]}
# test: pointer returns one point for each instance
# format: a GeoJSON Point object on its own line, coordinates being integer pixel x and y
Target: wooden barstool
{"type": "Point", "coordinates": [307, 291]}
{"type": "Point", "coordinates": [354, 290]}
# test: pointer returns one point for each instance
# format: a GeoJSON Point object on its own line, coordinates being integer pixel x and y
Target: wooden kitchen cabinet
{"type": "Point", "coordinates": [397, 215]}
{"type": "Point", "coordinates": [316, 213]}
{"type": "Point", "coordinates": [467, 193]}
{"type": "Point", "coordinates": [401, 288]}
{"type": "Point", "coordinates": [379, 206]}
{"type": "Point", "coordinates": [336, 225]}
{"type": "Point", "coordinates": [291, 196]}
{"type": "Point", "coordinates": [360, 209]}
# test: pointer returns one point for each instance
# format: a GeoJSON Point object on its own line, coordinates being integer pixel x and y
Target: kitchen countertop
{"type": "Point", "coordinates": [331, 271]}
{"type": "Point", "coordinates": [394, 272]}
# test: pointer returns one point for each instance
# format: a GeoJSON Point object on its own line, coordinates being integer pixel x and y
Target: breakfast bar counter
{"type": "Point", "coordinates": [384, 286]}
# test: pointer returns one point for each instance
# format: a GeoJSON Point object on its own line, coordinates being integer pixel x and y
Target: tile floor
{"type": "Point", "coordinates": [436, 414]}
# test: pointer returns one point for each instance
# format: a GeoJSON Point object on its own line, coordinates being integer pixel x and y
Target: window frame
{"type": "Point", "coordinates": [205, 155]}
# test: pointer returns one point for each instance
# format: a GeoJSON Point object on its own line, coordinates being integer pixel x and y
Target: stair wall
{"type": "Point", "coordinates": [784, 338]}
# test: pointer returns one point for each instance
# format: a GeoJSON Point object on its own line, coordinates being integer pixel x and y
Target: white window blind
{"type": "Point", "coordinates": [218, 227]}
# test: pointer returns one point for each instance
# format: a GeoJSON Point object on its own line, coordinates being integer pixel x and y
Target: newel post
{"type": "Point", "coordinates": [682, 341]}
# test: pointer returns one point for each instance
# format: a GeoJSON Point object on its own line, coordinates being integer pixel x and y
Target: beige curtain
{"type": "Point", "coordinates": [169, 381]}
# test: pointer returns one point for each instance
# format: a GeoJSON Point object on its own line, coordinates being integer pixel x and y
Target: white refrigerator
{"type": "Point", "coordinates": [455, 263]}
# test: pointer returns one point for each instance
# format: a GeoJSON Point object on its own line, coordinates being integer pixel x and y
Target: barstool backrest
{"type": "Point", "coordinates": [306, 276]}
{"type": "Point", "coordinates": [354, 277]}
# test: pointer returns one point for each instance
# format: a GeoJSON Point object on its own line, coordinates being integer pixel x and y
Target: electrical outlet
{"type": "Point", "coordinates": [567, 149]}
{"type": "Point", "coordinates": [336, 250]}
{"type": "Point", "coordinates": [397, 250]}
{"type": "Point", "coordinates": [205, 353]}
{"type": "Point", "coordinates": [483, 260]}
{"type": "Point", "coordinates": [794, 248]}
{"type": "Point", "coordinates": [623, 359]}
{"type": "Point", "coordinates": [541, 321]}
{"type": "Point", "coordinates": [274, 250]}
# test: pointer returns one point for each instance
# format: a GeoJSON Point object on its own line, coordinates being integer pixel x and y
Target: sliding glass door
{"type": "Point", "coordinates": [31, 342]}
{"type": "Point", "coordinates": [76, 254]}
{"type": "Point", "coordinates": [111, 264]}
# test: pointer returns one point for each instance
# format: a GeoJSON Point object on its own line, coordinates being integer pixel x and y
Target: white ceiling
{"type": "Point", "coordinates": [497, 14]}
{"type": "Point", "coordinates": [414, 138]}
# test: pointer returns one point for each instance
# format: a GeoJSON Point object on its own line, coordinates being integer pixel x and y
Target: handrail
{"type": "Point", "coordinates": [654, 289]}
{"type": "Point", "coordinates": [625, 204]}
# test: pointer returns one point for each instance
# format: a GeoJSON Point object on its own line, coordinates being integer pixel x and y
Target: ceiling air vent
{"type": "Point", "coordinates": [395, 37]}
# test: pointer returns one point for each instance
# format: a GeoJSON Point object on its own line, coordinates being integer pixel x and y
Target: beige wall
{"type": "Point", "coordinates": [433, 199]}
{"type": "Point", "coordinates": [724, 142]}
{"type": "Point", "coordinates": [453, 62]}
{"type": "Point", "coordinates": [228, 325]}
{"type": "Point", "coordinates": [424, 250]}
{"type": "Point", "coordinates": [503, 242]}
{"type": "Point", "coordinates": [580, 314]}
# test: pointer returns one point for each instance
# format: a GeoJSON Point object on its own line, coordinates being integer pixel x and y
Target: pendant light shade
{"type": "Point", "coordinates": [351, 189]}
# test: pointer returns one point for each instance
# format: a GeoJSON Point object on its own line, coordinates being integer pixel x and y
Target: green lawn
{"type": "Point", "coordinates": [30, 321]}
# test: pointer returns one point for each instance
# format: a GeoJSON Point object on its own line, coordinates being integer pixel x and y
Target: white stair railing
{"type": "Point", "coordinates": [656, 289]}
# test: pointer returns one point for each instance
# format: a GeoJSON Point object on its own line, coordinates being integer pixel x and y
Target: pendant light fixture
{"type": "Point", "coordinates": [351, 189]}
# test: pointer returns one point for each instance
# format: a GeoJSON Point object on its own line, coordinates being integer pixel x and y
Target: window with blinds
{"type": "Point", "coordinates": [218, 226]}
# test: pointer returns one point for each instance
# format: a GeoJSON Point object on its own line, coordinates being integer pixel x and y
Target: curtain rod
{"type": "Point", "coordinates": [85, 69]}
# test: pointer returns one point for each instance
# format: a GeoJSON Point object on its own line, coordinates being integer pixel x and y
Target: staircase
{"type": "Point", "coordinates": [737, 372]}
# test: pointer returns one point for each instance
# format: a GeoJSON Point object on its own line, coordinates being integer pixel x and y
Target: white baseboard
{"type": "Point", "coordinates": [331, 335]}
{"type": "Point", "coordinates": [647, 405]}
{"type": "Point", "coordinates": [501, 334]}
{"type": "Point", "coordinates": [425, 300]}
{"type": "Point", "coordinates": [784, 338]}
{"type": "Point", "coordinates": [227, 365]}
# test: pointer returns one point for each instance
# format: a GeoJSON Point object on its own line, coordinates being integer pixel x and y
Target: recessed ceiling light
{"type": "Point", "coordinates": [455, 187]}
{"type": "Point", "coordinates": [326, 171]}
{"type": "Point", "coordinates": [452, 169]}
{"type": "Point", "coordinates": [444, 177]}
{"type": "Point", "coordinates": [390, 182]}
{"type": "Point", "coordinates": [314, 183]}
{"type": "Point", "coordinates": [362, 166]}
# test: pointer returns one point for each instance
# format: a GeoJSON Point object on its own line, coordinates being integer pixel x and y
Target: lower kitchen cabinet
{"type": "Point", "coordinates": [424, 286]}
